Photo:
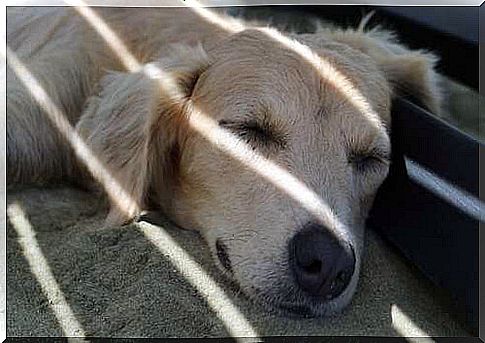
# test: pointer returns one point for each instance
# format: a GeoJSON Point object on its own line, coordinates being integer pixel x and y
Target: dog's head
{"type": "Point", "coordinates": [273, 149]}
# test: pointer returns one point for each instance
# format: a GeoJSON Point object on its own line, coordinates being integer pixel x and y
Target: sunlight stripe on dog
{"type": "Point", "coordinates": [330, 74]}
{"type": "Point", "coordinates": [110, 37]}
{"type": "Point", "coordinates": [232, 25]}
{"type": "Point", "coordinates": [235, 322]}
{"type": "Point", "coordinates": [43, 273]}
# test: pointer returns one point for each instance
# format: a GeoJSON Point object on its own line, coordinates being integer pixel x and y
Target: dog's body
{"type": "Point", "coordinates": [69, 57]}
{"type": "Point", "coordinates": [301, 136]}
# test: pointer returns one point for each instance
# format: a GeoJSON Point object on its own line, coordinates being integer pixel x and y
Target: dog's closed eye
{"type": "Point", "coordinates": [256, 134]}
{"type": "Point", "coordinates": [369, 161]}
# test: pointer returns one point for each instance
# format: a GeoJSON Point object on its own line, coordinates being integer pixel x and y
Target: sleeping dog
{"type": "Point", "coordinates": [272, 145]}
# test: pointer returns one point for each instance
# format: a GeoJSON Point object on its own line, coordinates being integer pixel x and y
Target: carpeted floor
{"type": "Point", "coordinates": [116, 282]}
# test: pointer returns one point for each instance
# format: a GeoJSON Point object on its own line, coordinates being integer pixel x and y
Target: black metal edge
{"type": "Point", "coordinates": [437, 145]}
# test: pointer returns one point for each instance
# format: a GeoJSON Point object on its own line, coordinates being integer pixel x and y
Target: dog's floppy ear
{"type": "Point", "coordinates": [411, 73]}
{"type": "Point", "coordinates": [134, 123]}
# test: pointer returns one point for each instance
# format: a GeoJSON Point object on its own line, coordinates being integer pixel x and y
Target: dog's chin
{"type": "Point", "coordinates": [307, 309]}
{"type": "Point", "coordinates": [301, 309]}
{"type": "Point", "coordinates": [303, 306]}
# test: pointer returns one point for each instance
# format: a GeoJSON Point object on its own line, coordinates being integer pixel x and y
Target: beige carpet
{"type": "Point", "coordinates": [115, 282]}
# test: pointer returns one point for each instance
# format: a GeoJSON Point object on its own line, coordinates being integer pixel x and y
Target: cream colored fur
{"type": "Point", "coordinates": [143, 137]}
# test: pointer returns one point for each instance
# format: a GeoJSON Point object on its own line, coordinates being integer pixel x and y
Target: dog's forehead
{"type": "Point", "coordinates": [252, 66]}
{"type": "Point", "coordinates": [262, 47]}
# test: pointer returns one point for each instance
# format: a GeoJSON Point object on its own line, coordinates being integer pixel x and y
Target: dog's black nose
{"type": "Point", "coordinates": [322, 265]}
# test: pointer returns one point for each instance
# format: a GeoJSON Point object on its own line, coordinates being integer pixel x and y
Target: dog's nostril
{"type": "Point", "coordinates": [314, 267]}
{"type": "Point", "coordinates": [222, 255]}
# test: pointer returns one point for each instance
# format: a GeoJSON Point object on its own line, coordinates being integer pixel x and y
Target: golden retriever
{"type": "Point", "coordinates": [271, 145]}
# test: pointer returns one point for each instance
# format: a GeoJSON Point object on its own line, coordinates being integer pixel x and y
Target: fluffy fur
{"type": "Point", "coordinates": [289, 111]}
